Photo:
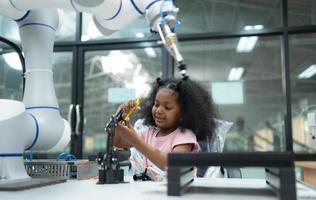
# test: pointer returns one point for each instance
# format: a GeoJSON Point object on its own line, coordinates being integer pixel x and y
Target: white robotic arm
{"type": "Point", "coordinates": [111, 15]}
{"type": "Point", "coordinates": [37, 123]}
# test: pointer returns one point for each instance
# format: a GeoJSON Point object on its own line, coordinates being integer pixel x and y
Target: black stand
{"type": "Point", "coordinates": [110, 171]}
{"type": "Point", "coordinates": [280, 174]}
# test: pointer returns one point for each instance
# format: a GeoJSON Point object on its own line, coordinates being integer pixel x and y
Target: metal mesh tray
{"type": "Point", "coordinates": [48, 168]}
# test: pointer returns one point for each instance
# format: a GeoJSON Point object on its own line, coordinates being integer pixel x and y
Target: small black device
{"type": "Point", "coordinates": [142, 176]}
{"type": "Point", "coordinates": [110, 171]}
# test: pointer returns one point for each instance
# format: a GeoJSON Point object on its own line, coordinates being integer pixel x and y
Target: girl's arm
{"type": "Point", "coordinates": [129, 136]}
{"type": "Point", "coordinates": [159, 158]}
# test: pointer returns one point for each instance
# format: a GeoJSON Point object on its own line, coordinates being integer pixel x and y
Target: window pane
{"type": "Point", "coordinates": [254, 100]}
{"type": "Point", "coordinates": [227, 15]}
{"type": "Point", "coordinates": [9, 29]}
{"type": "Point", "coordinates": [301, 12]}
{"type": "Point", "coordinates": [65, 32]}
{"type": "Point", "coordinates": [62, 70]}
{"type": "Point", "coordinates": [10, 77]}
{"type": "Point", "coordinates": [91, 32]}
{"type": "Point", "coordinates": [67, 26]}
{"type": "Point", "coordinates": [303, 80]}
{"type": "Point", "coordinates": [111, 78]}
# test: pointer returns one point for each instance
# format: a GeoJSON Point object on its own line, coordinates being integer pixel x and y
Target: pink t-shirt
{"type": "Point", "coordinates": [167, 143]}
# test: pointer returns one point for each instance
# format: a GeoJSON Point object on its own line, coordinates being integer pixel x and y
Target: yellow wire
{"type": "Point", "coordinates": [131, 111]}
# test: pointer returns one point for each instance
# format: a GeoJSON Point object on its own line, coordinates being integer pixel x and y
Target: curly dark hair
{"type": "Point", "coordinates": [198, 112]}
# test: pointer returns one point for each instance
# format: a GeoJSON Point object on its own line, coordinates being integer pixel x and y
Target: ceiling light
{"type": "Point", "coordinates": [139, 35]}
{"type": "Point", "coordinates": [258, 27]}
{"type": "Point", "coordinates": [246, 44]}
{"type": "Point", "coordinates": [150, 52]}
{"type": "Point", "coordinates": [307, 73]}
{"type": "Point", "coordinates": [247, 28]}
{"type": "Point", "coordinates": [235, 73]}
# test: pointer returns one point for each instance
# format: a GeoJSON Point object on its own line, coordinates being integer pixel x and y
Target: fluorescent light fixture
{"type": "Point", "coordinates": [307, 73]}
{"type": "Point", "coordinates": [150, 52]}
{"type": "Point", "coordinates": [139, 35]}
{"type": "Point", "coordinates": [254, 27]}
{"type": "Point", "coordinates": [247, 28]}
{"type": "Point", "coordinates": [235, 73]}
{"type": "Point", "coordinates": [13, 60]}
{"type": "Point", "coordinates": [246, 44]}
{"type": "Point", "coordinates": [258, 27]}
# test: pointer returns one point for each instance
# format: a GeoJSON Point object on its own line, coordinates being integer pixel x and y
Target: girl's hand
{"type": "Point", "coordinates": [126, 132]}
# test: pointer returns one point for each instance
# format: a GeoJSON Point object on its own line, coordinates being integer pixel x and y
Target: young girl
{"type": "Point", "coordinates": [177, 114]}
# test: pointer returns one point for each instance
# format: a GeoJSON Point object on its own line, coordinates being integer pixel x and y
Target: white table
{"type": "Point", "coordinates": [89, 190]}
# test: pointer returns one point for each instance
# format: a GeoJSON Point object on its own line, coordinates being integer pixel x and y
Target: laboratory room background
{"type": "Point", "coordinates": [68, 68]}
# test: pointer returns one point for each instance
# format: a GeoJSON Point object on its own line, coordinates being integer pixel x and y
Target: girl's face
{"type": "Point", "coordinates": [166, 110]}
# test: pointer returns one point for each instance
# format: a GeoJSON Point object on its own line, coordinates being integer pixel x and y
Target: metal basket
{"type": "Point", "coordinates": [49, 168]}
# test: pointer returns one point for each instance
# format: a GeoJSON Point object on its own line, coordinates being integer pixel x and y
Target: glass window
{"type": "Point", "coordinates": [9, 29]}
{"type": "Point", "coordinates": [10, 77]}
{"type": "Point", "coordinates": [111, 78]}
{"type": "Point", "coordinates": [303, 84]}
{"type": "Point", "coordinates": [138, 28]}
{"type": "Point", "coordinates": [301, 12]}
{"type": "Point", "coordinates": [65, 32]}
{"type": "Point", "coordinates": [62, 70]}
{"type": "Point", "coordinates": [227, 15]}
{"type": "Point", "coordinates": [67, 26]}
{"type": "Point", "coordinates": [246, 85]}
